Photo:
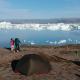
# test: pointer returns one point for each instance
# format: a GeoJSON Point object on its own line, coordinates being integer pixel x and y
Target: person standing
{"type": "Point", "coordinates": [12, 43]}
{"type": "Point", "coordinates": [17, 45]}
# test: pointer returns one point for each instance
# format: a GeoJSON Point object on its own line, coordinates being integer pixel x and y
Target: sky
{"type": "Point", "coordinates": [39, 9]}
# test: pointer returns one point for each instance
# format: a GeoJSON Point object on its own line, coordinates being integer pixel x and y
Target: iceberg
{"type": "Point", "coordinates": [62, 42]}
{"type": "Point", "coordinates": [39, 27]}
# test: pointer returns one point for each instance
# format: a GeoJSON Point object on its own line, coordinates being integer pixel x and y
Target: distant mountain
{"type": "Point", "coordinates": [43, 21]}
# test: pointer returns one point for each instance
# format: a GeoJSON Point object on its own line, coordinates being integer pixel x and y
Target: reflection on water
{"type": "Point", "coordinates": [44, 37]}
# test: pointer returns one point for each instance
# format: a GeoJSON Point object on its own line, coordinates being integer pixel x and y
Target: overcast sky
{"type": "Point", "coordinates": [39, 9]}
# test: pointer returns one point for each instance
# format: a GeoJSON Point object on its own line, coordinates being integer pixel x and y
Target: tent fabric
{"type": "Point", "coordinates": [31, 64]}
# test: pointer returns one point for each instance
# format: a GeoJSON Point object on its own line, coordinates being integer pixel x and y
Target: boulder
{"type": "Point", "coordinates": [31, 64]}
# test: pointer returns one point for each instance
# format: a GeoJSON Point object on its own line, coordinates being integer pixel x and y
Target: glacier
{"type": "Point", "coordinates": [35, 26]}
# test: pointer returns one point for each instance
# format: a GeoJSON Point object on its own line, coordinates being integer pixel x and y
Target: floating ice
{"type": "Point", "coordinates": [62, 42]}
{"type": "Point", "coordinates": [32, 43]}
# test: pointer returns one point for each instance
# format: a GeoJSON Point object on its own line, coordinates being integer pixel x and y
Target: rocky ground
{"type": "Point", "coordinates": [65, 62]}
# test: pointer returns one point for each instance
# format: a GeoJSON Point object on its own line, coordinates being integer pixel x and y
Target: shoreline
{"type": "Point", "coordinates": [65, 45]}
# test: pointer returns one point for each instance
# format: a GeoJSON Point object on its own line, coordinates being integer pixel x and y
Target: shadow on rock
{"type": "Point", "coordinates": [8, 48]}
{"type": "Point", "coordinates": [77, 75]}
{"type": "Point", "coordinates": [76, 62]}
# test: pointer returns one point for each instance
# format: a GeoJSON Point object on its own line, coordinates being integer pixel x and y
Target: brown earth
{"type": "Point", "coordinates": [63, 61]}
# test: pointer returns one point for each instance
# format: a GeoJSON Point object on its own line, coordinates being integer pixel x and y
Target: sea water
{"type": "Point", "coordinates": [39, 35]}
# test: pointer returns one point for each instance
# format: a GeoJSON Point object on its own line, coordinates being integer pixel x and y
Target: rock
{"type": "Point", "coordinates": [31, 64]}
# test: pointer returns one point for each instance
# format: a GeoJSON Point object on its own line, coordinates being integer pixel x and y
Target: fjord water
{"type": "Point", "coordinates": [43, 37]}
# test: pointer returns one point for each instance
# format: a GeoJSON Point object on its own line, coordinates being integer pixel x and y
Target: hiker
{"type": "Point", "coordinates": [12, 44]}
{"type": "Point", "coordinates": [17, 45]}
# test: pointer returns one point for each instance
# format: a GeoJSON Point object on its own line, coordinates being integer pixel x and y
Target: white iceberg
{"type": "Point", "coordinates": [39, 27]}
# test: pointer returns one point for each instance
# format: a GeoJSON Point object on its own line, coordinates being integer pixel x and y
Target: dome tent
{"type": "Point", "coordinates": [31, 64]}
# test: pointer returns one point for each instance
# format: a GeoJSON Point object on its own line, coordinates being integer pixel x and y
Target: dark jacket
{"type": "Point", "coordinates": [17, 41]}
